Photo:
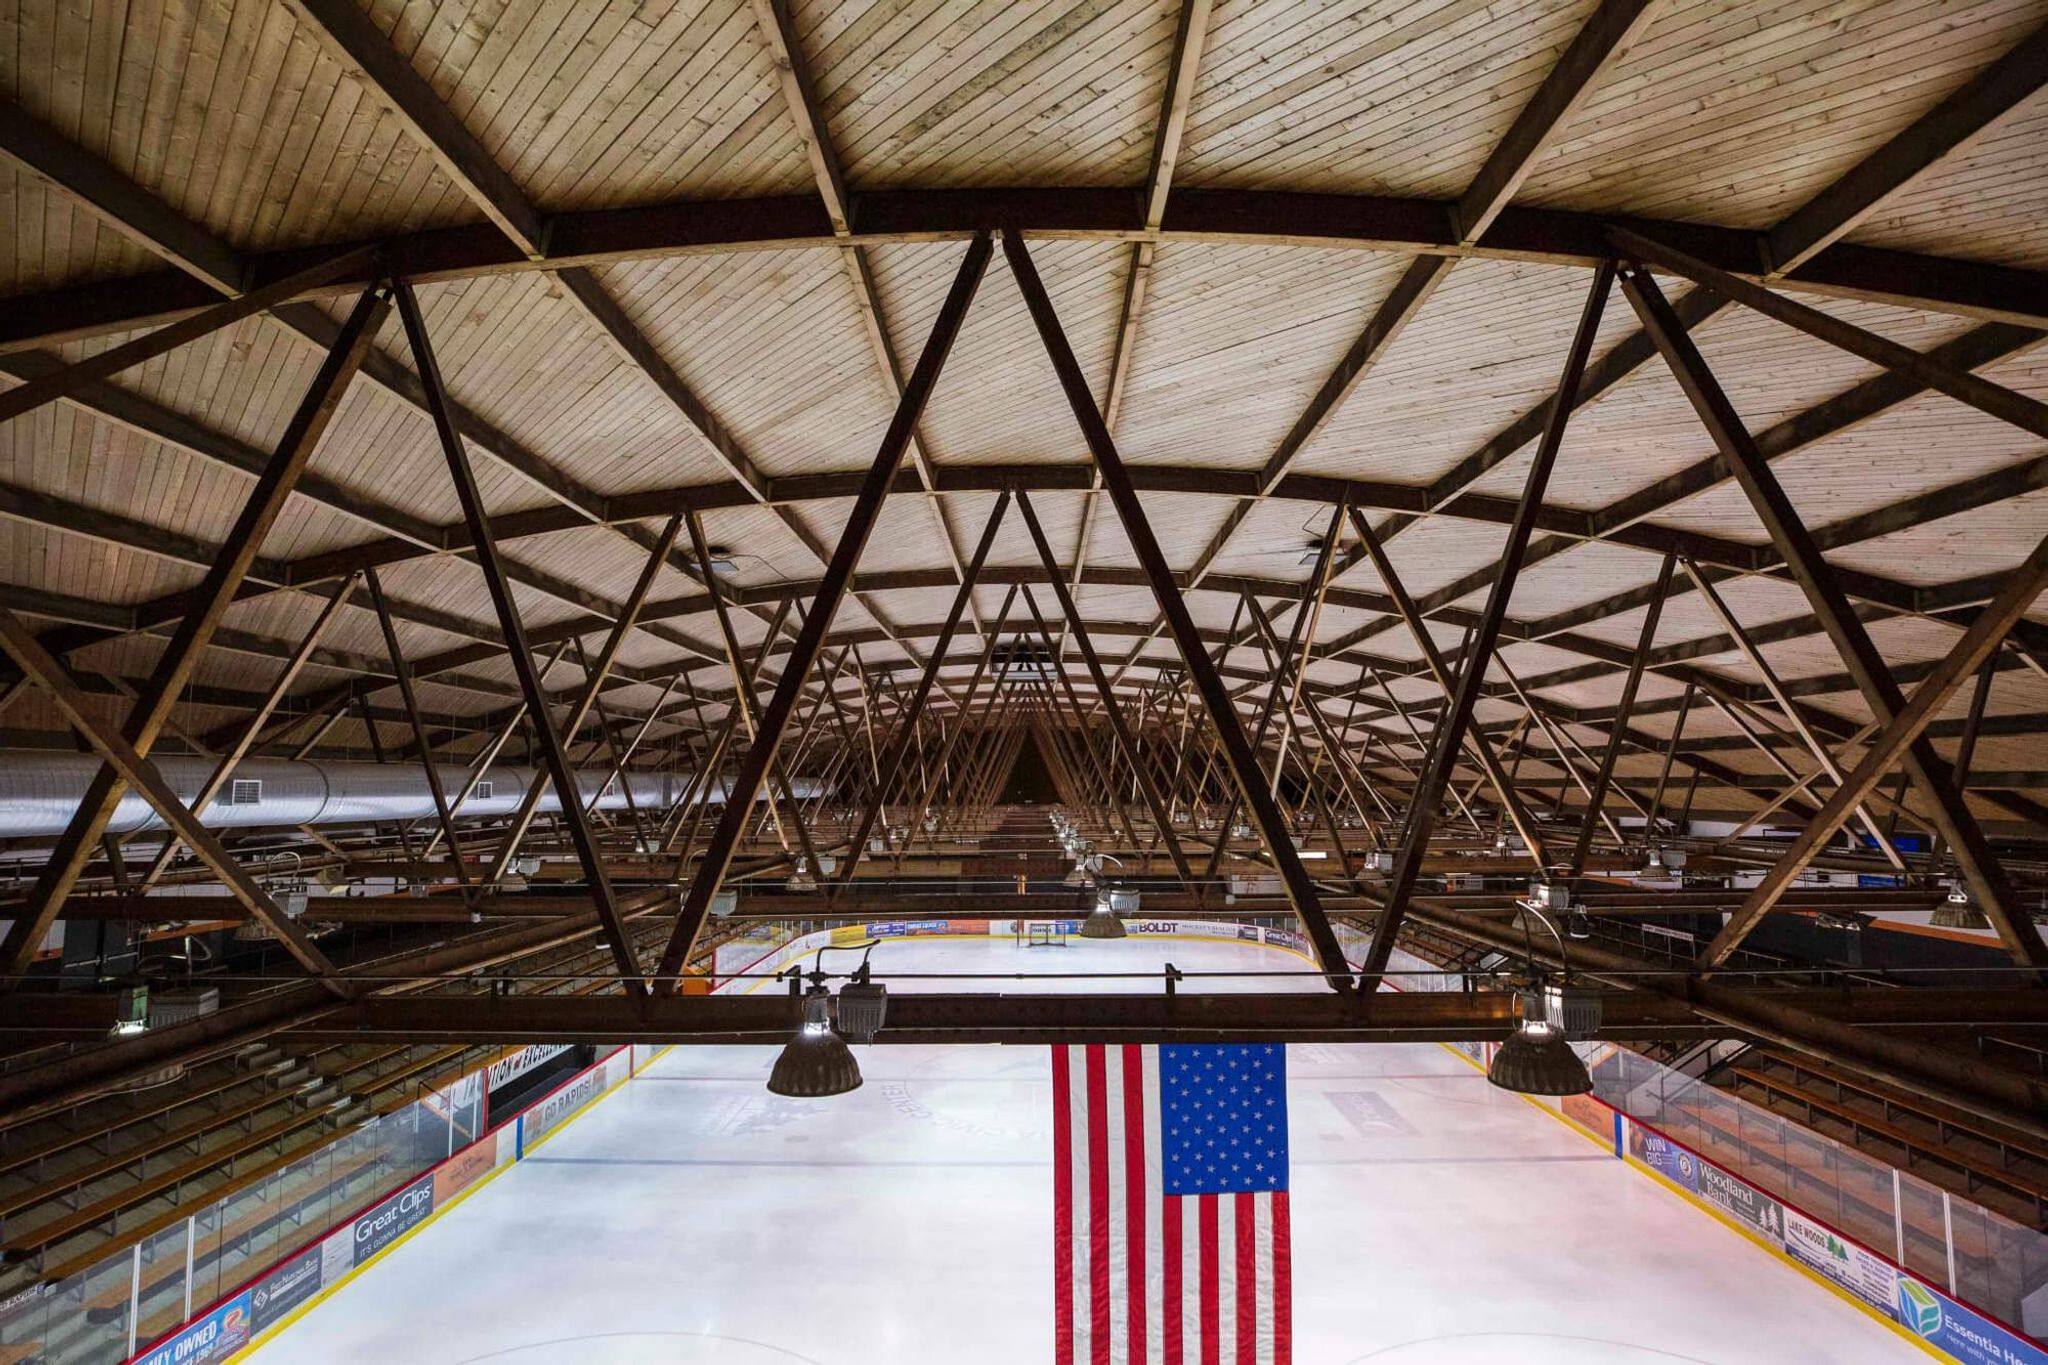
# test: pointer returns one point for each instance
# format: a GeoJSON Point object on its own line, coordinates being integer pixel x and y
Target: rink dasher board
{"type": "Point", "coordinates": [236, 1327]}
{"type": "Point", "coordinates": [1913, 1309]}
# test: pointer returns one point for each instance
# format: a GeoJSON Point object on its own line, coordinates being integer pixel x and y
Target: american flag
{"type": "Point", "coordinates": [1170, 1205]}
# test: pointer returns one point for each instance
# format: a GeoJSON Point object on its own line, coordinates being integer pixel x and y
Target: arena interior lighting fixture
{"type": "Point", "coordinates": [817, 1062]}
{"type": "Point", "coordinates": [1102, 921]}
{"type": "Point", "coordinates": [1538, 1058]}
{"type": "Point", "coordinates": [1959, 911]}
{"type": "Point", "coordinates": [131, 1011]}
{"type": "Point", "coordinates": [800, 878]}
{"type": "Point", "coordinates": [1241, 830]}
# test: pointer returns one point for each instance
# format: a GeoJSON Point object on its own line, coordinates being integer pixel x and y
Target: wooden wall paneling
{"type": "Point", "coordinates": [55, 242]}
{"type": "Point", "coordinates": [1485, 348]}
{"type": "Point", "coordinates": [998, 399]}
{"type": "Point", "coordinates": [1251, 330]}
{"type": "Point", "coordinates": [1335, 96]}
{"type": "Point", "coordinates": [1988, 540]}
{"type": "Point", "coordinates": [593, 124]}
{"type": "Point", "coordinates": [1986, 201]}
{"type": "Point", "coordinates": [1184, 522]}
{"type": "Point", "coordinates": [990, 93]}
{"type": "Point", "coordinates": [1739, 113]}
{"type": "Point", "coordinates": [772, 342]}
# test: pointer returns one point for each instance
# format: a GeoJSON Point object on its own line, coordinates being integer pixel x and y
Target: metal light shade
{"type": "Point", "coordinates": [1102, 923]}
{"type": "Point", "coordinates": [1959, 911]}
{"type": "Point", "coordinates": [1538, 1061]}
{"type": "Point", "coordinates": [817, 1062]}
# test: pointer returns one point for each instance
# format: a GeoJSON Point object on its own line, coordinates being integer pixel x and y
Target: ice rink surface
{"type": "Point", "coordinates": [692, 1217]}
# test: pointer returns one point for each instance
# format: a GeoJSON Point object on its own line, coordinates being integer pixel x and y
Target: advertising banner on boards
{"type": "Point", "coordinates": [213, 1337]}
{"type": "Point", "coordinates": [464, 1169]}
{"type": "Point", "coordinates": [285, 1288]}
{"type": "Point", "coordinates": [393, 1218]}
{"type": "Point", "coordinates": [564, 1102]}
{"type": "Point", "coordinates": [1869, 1277]}
{"type": "Point", "coordinates": [1968, 1336]}
{"type": "Point", "coordinates": [1758, 1211]}
{"type": "Point", "coordinates": [1665, 1157]}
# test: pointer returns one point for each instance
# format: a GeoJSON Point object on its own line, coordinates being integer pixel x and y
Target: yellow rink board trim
{"type": "Point", "coordinates": [270, 1333]}
{"type": "Point", "coordinates": [1606, 1144]}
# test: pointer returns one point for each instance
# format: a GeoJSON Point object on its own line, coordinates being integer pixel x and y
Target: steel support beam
{"type": "Point", "coordinates": [1449, 739]}
{"type": "Point", "coordinates": [1244, 764]}
{"type": "Point", "coordinates": [554, 757]}
{"type": "Point", "coordinates": [1803, 557]}
{"type": "Point", "coordinates": [860, 524]}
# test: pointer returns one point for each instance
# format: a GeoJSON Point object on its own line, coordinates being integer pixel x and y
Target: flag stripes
{"type": "Point", "coordinates": [1143, 1277]}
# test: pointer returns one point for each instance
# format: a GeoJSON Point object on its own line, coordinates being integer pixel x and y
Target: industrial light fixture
{"type": "Point", "coordinates": [131, 1011]}
{"type": "Point", "coordinates": [877, 844]}
{"type": "Point", "coordinates": [1654, 861]}
{"type": "Point", "coordinates": [1102, 921]}
{"type": "Point", "coordinates": [1241, 830]}
{"type": "Point", "coordinates": [931, 823]}
{"type": "Point", "coordinates": [863, 1005]}
{"type": "Point", "coordinates": [800, 878]}
{"type": "Point", "coordinates": [816, 1062]}
{"type": "Point", "coordinates": [1538, 1058]}
{"type": "Point", "coordinates": [1959, 911]}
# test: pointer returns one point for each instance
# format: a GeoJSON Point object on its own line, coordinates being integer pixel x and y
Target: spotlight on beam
{"type": "Point", "coordinates": [1537, 1058]}
{"type": "Point", "coordinates": [1959, 911]}
{"type": "Point", "coordinates": [816, 1062]}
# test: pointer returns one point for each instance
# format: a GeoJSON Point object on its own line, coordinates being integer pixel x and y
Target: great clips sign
{"type": "Point", "coordinates": [393, 1218]}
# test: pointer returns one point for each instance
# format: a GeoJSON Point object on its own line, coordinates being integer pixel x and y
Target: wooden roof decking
{"type": "Point", "coordinates": [746, 337]}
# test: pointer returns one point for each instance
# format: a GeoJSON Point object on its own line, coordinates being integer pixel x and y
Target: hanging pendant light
{"type": "Point", "coordinates": [1102, 921]}
{"type": "Point", "coordinates": [817, 1062]}
{"type": "Point", "coordinates": [1959, 911]}
{"type": "Point", "coordinates": [1538, 1057]}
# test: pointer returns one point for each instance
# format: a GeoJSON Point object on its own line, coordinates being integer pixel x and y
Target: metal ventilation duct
{"type": "Point", "coordinates": [40, 792]}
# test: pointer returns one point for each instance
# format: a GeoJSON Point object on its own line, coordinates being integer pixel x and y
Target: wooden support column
{"type": "Point", "coordinates": [484, 546]}
{"type": "Point", "coordinates": [1116, 481]}
{"type": "Point", "coordinates": [860, 524]}
{"type": "Point", "coordinates": [1451, 727]}
{"type": "Point", "coordinates": [1977, 644]}
{"type": "Point", "coordinates": [1622, 710]}
{"type": "Point", "coordinates": [914, 709]}
{"type": "Point", "coordinates": [1816, 578]}
{"type": "Point", "coordinates": [152, 710]}
{"type": "Point", "coordinates": [19, 643]}
{"type": "Point", "coordinates": [1162, 818]}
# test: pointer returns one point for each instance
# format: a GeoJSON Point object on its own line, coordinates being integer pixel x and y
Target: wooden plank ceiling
{"type": "Point", "coordinates": [757, 188]}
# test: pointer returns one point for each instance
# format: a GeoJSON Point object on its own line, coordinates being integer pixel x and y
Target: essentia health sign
{"type": "Point", "coordinates": [1968, 1336]}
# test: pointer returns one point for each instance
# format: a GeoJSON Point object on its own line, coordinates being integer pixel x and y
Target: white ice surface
{"type": "Point", "coordinates": [692, 1218]}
